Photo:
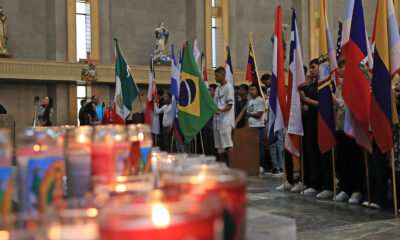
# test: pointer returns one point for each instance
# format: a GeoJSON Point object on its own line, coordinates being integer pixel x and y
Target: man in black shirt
{"type": "Point", "coordinates": [82, 113]}
{"type": "Point", "coordinates": [240, 105]}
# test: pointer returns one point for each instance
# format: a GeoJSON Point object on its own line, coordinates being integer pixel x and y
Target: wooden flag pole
{"type": "Point", "coordinates": [201, 141]}
{"type": "Point", "coordinates": [284, 164]}
{"type": "Point", "coordinates": [334, 174]}
{"type": "Point", "coordinates": [195, 145]}
{"type": "Point", "coordinates": [367, 175]}
{"type": "Point", "coordinates": [394, 184]}
{"type": "Point", "coordinates": [172, 142]}
{"type": "Point", "coordinates": [255, 65]}
{"type": "Point", "coordinates": [302, 166]}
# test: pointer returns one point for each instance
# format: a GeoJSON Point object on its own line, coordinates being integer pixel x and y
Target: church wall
{"type": "Point", "coordinates": [36, 29]}
{"type": "Point", "coordinates": [133, 23]}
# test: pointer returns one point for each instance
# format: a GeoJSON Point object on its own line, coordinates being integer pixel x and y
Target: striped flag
{"type": "Point", "coordinates": [348, 16]}
{"type": "Point", "coordinates": [175, 76]}
{"type": "Point", "coordinates": [296, 80]}
{"type": "Point", "coordinates": [228, 67]}
{"type": "Point", "coordinates": [152, 99]}
{"type": "Point", "coordinates": [327, 65]}
{"type": "Point", "coordinates": [356, 88]}
{"type": "Point", "coordinates": [204, 69]}
{"type": "Point", "coordinates": [251, 73]}
{"type": "Point", "coordinates": [277, 99]}
{"type": "Point", "coordinates": [196, 54]}
{"type": "Point", "coordinates": [386, 64]}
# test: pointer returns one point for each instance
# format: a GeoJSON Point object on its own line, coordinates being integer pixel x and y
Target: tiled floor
{"type": "Point", "coordinates": [314, 219]}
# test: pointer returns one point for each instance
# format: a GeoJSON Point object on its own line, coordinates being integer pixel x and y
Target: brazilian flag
{"type": "Point", "coordinates": [195, 105]}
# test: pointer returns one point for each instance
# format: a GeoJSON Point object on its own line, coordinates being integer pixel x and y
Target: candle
{"type": "Point", "coordinates": [6, 189]}
{"type": "Point", "coordinates": [167, 218]}
{"type": "Point", "coordinates": [40, 159]}
{"type": "Point", "coordinates": [121, 151]}
{"type": "Point", "coordinates": [228, 184]}
{"type": "Point", "coordinates": [102, 151]}
{"type": "Point", "coordinates": [74, 219]}
{"type": "Point", "coordinates": [21, 226]}
{"type": "Point", "coordinates": [78, 159]}
{"type": "Point", "coordinates": [140, 138]}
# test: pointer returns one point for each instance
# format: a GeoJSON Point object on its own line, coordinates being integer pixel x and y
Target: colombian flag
{"type": "Point", "coordinates": [328, 65]}
{"type": "Point", "coordinates": [386, 64]}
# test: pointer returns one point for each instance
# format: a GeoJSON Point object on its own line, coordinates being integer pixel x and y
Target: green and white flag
{"type": "Point", "coordinates": [126, 89]}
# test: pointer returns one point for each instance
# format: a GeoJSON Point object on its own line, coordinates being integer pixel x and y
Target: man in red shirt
{"type": "Point", "coordinates": [110, 116]}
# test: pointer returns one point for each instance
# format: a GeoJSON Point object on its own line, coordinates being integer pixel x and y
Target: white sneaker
{"type": "Point", "coordinates": [262, 171]}
{"type": "Point", "coordinates": [326, 194]}
{"type": "Point", "coordinates": [356, 198]}
{"type": "Point", "coordinates": [365, 204]}
{"type": "Point", "coordinates": [310, 192]}
{"type": "Point", "coordinates": [342, 197]}
{"type": "Point", "coordinates": [371, 205]}
{"type": "Point", "coordinates": [298, 187]}
{"type": "Point", "coordinates": [287, 187]}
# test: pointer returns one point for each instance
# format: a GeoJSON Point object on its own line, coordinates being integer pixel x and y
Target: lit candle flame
{"type": "Point", "coordinates": [118, 137]}
{"type": "Point", "coordinates": [82, 138]}
{"type": "Point", "coordinates": [36, 147]}
{"type": "Point", "coordinates": [141, 136]}
{"type": "Point", "coordinates": [4, 235]}
{"type": "Point", "coordinates": [160, 216]}
{"type": "Point", "coordinates": [120, 188]}
{"type": "Point", "coordinates": [92, 212]}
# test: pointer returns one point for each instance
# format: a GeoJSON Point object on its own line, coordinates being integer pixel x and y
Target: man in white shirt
{"type": "Point", "coordinates": [255, 113]}
{"type": "Point", "coordinates": [224, 118]}
{"type": "Point", "coordinates": [166, 122]}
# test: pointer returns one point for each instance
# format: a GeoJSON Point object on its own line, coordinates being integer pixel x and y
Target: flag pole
{"type": "Point", "coordinates": [255, 65]}
{"type": "Point", "coordinates": [195, 145]}
{"type": "Point", "coordinates": [367, 175]}
{"type": "Point", "coordinates": [172, 141]}
{"type": "Point", "coordinates": [201, 141]}
{"type": "Point", "coordinates": [334, 174]}
{"type": "Point", "coordinates": [302, 165]}
{"type": "Point", "coordinates": [394, 184]}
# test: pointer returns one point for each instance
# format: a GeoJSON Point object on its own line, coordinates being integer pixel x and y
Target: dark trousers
{"type": "Point", "coordinates": [166, 139]}
{"type": "Point", "coordinates": [208, 142]}
{"type": "Point", "coordinates": [350, 166]}
{"type": "Point", "coordinates": [317, 166]}
{"type": "Point", "coordinates": [378, 176]}
{"type": "Point", "coordinates": [289, 167]}
{"type": "Point", "coordinates": [261, 145]}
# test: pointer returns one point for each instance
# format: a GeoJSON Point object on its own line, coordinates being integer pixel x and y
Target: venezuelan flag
{"type": "Point", "coordinates": [326, 120]}
{"type": "Point", "coordinates": [386, 64]}
{"type": "Point", "coordinates": [251, 73]}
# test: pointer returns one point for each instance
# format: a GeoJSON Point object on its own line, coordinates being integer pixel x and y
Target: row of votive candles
{"type": "Point", "coordinates": [110, 191]}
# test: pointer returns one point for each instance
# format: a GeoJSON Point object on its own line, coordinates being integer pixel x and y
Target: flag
{"type": "Point", "coordinates": [152, 99]}
{"type": "Point", "coordinates": [175, 75]}
{"type": "Point", "coordinates": [327, 65]}
{"type": "Point", "coordinates": [386, 64]}
{"type": "Point", "coordinates": [204, 69]}
{"type": "Point", "coordinates": [356, 88]}
{"type": "Point", "coordinates": [195, 105]}
{"type": "Point", "coordinates": [228, 68]}
{"type": "Point", "coordinates": [277, 99]}
{"type": "Point", "coordinates": [196, 54]}
{"type": "Point", "coordinates": [296, 80]}
{"type": "Point", "coordinates": [348, 16]}
{"type": "Point", "coordinates": [251, 73]}
{"type": "Point", "coordinates": [126, 89]}
{"type": "Point", "coordinates": [339, 40]}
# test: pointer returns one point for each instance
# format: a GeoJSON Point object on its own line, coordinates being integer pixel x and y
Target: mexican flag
{"type": "Point", "coordinates": [126, 89]}
{"type": "Point", "coordinates": [196, 105]}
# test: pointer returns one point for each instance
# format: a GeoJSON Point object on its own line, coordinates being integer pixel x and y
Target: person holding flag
{"type": "Point", "coordinates": [126, 89]}
{"type": "Point", "coordinates": [151, 118]}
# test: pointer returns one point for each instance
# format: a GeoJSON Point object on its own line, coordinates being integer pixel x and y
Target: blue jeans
{"type": "Point", "coordinates": [276, 151]}
{"type": "Point", "coordinates": [261, 145]}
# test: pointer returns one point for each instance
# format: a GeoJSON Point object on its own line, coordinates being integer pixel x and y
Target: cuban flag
{"type": "Point", "coordinates": [228, 67]}
{"type": "Point", "coordinates": [296, 80]}
{"type": "Point", "coordinates": [386, 64]}
{"type": "Point", "coordinates": [356, 87]}
{"type": "Point", "coordinates": [152, 100]}
{"type": "Point", "coordinates": [327, 66]}
{"type": "Point", "coordinates": [204, 69]}
{"type": "Point", "coordinates": [277, 98]}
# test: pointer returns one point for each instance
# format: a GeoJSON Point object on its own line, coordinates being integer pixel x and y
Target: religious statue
{"type": "Point", "coordinates": [3, 35]}
{"type": "Point", "coordinates": [162, 35]}
{"type": "Point", "coordinates": [89, 73]}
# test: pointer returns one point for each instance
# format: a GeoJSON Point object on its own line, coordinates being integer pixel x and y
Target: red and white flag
{"type": "Point", "coordinates": [152, 100]}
